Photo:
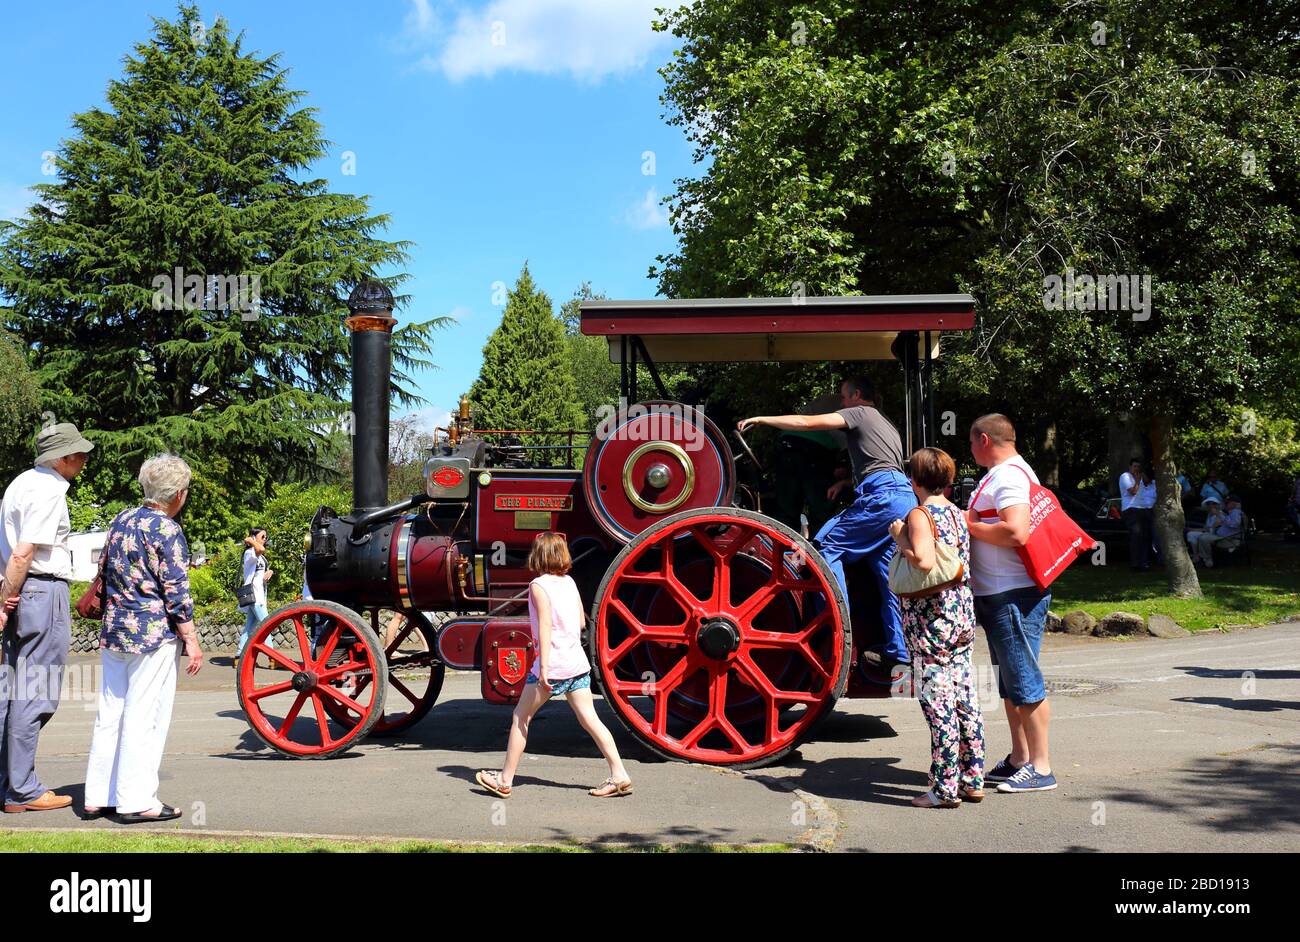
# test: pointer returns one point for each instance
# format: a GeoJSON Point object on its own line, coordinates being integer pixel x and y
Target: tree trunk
{"type": "Point", "coordinates": [1048, 466]}
{"type": "Point", "coordinates": [1168, 512]}
{"type": "Point", "coordinates": [1125, 443]}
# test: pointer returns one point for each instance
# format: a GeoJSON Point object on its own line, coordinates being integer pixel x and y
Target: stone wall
{"type": "Point", "coordinates": [218, 633]}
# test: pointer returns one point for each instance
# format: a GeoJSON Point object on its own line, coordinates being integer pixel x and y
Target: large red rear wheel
{"type": "Point", "coordinates": [721, 637]}
{"type": "Point", "coordinates": [289, 704]}
{"type": "Point", "coordinates": [415, 673]}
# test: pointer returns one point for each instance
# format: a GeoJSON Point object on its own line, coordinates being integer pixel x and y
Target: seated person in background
{"type": "Point", "coordinates": [1219, 528]}
{"type": "Point", "coordinates": [1213, 517]}
{"type": "Point", "coordinates": [1184, 487]}
{"type": "Point", "coordinates": [1215, 488]}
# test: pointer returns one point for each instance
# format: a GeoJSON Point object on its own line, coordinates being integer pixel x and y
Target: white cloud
{"type": "Point", "coordinates": [647, 213]}
{"type": "Point", "coordinates": [420, 27]}
{"type": "Point", "coordinates": [429, 418]}
{"type": "Point", "coordinates": [585, 39]}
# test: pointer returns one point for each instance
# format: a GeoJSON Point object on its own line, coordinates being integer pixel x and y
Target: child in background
{"type": "Point", "coordinates": [556, 616]}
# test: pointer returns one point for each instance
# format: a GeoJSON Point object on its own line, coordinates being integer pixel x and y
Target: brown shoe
{"type": "Point", "coordinates": [973, 795]}
{"type": "Point", "coordinates": [47, 802]}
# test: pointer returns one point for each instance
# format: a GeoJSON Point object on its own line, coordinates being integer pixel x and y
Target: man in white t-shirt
{"type": "Point", "coordinates": [1135, 511]}
{"type": "Point", "coordinates": [1008, 605]}
{"type": "Point", "coordinates": [37, 567]}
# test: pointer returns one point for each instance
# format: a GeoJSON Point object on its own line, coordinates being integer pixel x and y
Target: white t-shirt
{"type": "Point", "coordinates": [1127, 500]}
{"type": "Point", "coordinates": [35, 511]}
{"type": "Point", "coordinates": [1146, 496]}
{"type": "Point", "coordinates": [255, 572]}
{"type": "Point", "coordinates": [997, 569]}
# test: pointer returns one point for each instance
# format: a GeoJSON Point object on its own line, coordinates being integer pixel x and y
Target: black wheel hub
{"type": "Point", "coordinates": [718, 638]}
{"type": "Point", "coordinates": [303, 681]}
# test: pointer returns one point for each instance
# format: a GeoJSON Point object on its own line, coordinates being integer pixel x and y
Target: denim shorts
{"type": "Point", "coordinates": [1014, 621]}
{"type": "Point", "coordinates": [561, 687]}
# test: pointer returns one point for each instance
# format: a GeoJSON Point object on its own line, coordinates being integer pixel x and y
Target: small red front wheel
{"type": "Point", "coordinates": [289, 694]}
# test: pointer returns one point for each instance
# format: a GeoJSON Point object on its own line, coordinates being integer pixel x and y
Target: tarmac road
{"type": "Point", "coordinates": [1187, 745]}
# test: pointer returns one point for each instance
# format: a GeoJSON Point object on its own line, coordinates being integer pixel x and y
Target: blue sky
{"type": "Point", "coordinates": [514, 130]}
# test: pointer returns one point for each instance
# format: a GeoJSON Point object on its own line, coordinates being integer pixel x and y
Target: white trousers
{"type": "Point", "coordinates": [135, 710]}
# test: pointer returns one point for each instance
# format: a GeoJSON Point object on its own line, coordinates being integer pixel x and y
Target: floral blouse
{"type": "Point", "coordinates": [936, 627]}
{"type": "Point", "coordinates": [146, 581]}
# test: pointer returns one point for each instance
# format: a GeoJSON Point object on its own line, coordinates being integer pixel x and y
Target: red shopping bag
{"type": "Point", "coordinates": [1055, 540]}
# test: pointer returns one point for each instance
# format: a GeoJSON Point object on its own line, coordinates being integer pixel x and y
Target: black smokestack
{"type": "Point", "coordinates": [371, 324]}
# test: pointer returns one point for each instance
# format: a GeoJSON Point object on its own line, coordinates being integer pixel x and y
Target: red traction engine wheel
{"type": "Point", "coordinates": [415, 673]}
{"type": "Point", "coordinates": [654, 459]}
{"type": "Point", "coordinates": [334, 664]}
{"type": "Point", "coordinates": [721, 637]}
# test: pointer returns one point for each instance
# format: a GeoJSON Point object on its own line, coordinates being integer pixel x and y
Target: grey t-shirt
{"type": "Point", "coordinates": [874, 444]}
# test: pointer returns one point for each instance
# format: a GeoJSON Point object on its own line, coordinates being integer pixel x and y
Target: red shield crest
{"type": "Point", "coordinates": [512, 664]}
{"type": "Point", "coordinates": [448, 476]}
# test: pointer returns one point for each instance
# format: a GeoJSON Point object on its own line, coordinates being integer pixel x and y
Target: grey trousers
{"type": "Point", "coordinates": [35, 650]}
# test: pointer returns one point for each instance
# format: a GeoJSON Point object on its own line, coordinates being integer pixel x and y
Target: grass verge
{"type": "Point", "coordinates": [24, 841]}
{"type": "Point", "coordinates": [1265, 592]}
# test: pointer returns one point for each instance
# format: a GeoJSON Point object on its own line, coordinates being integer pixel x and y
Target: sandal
{"type": "Point", "coordinates": [930, 800]}
{"type": "Point", "coordinates": [611, 789]}
{"type": "Point", "coordinates": [973, 795]}
{"type": "Point", "coordinates": [492, 782]}
{"type": "Point", "coordinates": [165, 813]}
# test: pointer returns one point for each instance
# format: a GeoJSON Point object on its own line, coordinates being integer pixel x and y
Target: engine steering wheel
{"type": "Point", "coordinates": [749, 452]}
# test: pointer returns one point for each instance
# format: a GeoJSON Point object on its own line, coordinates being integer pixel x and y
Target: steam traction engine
{"type": "Point", "coordinates": [715, 633]}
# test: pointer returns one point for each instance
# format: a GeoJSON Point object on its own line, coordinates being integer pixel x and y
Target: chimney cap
{"type": "Point", "coordinates": [370, 297]}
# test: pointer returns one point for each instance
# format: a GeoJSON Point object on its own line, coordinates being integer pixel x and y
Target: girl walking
{"type": "Point", "coordinates": [561, 670]}
{"type": "Point", "coordinates": [939, 630]}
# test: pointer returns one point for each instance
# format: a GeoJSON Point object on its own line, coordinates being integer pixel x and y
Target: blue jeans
{"type": "Point", "coordinates": [861, 532]}
{"type": "Point", "coordinates": [1013, 621]}
{"type": "Point", "coordinates": [256, 615]}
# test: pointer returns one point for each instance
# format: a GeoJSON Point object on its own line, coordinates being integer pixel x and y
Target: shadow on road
{"type": "Point", "coordinates": [1241, 792]}
{"type": "Point", "coordinates": [1221, 673]}
{"type": "Point", "coordinates": [1233, 703]}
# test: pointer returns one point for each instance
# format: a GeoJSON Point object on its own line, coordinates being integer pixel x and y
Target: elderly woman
{"type": "Point", "coordinates": [148, 615]}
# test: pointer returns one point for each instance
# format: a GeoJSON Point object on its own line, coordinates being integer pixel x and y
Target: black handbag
{"type": "Point", "coordinates": [246, 595]}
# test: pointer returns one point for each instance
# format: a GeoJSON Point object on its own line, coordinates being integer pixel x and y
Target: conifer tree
{"type": "Point", "coordinates": [181, 284]}
{"type": "Point", "coordinates": [526, 381]}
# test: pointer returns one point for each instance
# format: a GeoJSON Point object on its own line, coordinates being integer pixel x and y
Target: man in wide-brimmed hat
{"type": "Point", "coordinates": [35, 609]}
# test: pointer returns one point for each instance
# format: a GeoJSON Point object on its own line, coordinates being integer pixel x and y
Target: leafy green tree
{"type": "Point", "coordinates": [596, 377]}
{"type": "Point", "coordinates": [874, 147]}
{"type": "Point", "coordinates": [19, 409]}
{"type": "Point", "coordinates": [181, 284]}
{"type": "Point", "coordinates": [526, 381]}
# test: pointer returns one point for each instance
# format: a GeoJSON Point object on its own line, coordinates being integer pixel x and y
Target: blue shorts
{"type": "Point", "coordinates": [1014, 621]}
{"type": "Point", "coordinates": [561, 687]}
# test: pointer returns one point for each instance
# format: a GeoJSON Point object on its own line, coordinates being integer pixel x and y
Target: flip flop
{"type": "Point", "coordinates": [104, 812]}
{"type": "Point", "coordinates": [492, 782]}
{"type": "Point", "coordinates": [167, 813]}
{"type": "Point", "coordinates": [611, 789]}
{"type": "Point", "coordinates": [929, 799]}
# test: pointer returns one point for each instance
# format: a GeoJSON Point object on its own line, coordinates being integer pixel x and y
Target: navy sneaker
{"type": "Point", "coordinates": [1002, 771]}
{"type": "Point", "coordinates": [1028, 780]}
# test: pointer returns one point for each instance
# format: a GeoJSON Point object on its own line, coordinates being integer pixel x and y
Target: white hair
{"type": "Point", "coordinates": [162, 477]}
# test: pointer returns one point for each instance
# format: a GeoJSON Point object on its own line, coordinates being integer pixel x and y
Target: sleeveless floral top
{"type": "Point", "coordinates": [938, 626]}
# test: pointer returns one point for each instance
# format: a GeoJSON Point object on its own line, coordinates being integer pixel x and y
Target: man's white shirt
{"type": "Point", "coordinates": [35, 510]}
